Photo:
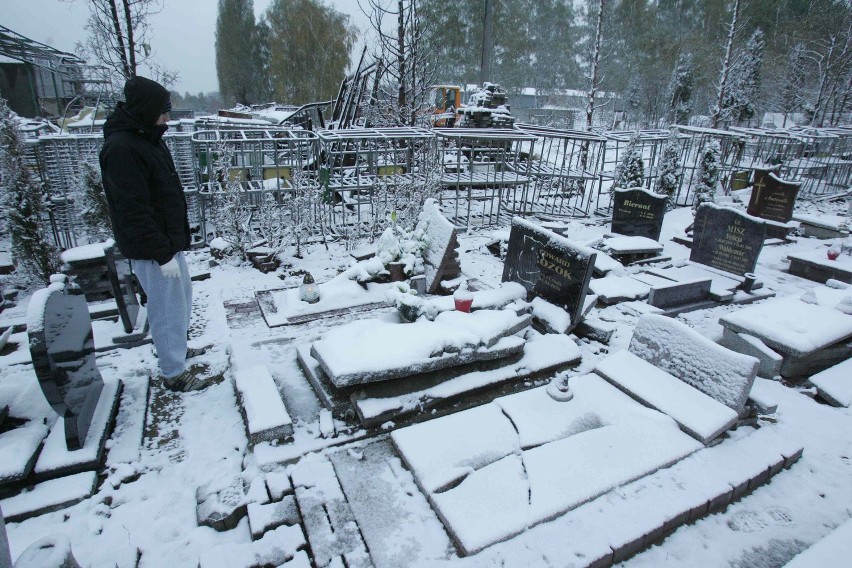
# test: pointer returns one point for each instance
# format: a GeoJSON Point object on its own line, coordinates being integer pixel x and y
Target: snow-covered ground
{"type": "Point", "coordinates": [146, 497]}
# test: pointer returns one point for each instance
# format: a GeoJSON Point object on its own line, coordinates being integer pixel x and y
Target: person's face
{"type": "Point", "coordinates": [164, 118]}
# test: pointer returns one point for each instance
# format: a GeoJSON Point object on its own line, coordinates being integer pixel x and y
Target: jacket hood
{"type": "Point", "coordinates": [122, 120]}
{"type": "Point", "coordinates": [146, 99]}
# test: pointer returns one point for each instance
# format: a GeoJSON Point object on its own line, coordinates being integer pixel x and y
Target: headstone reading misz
{"type": "Point", "coordinates": [637, 212]}
{"type": "Point", "coordinates": [772, 198]}
{"type": "Point", "coordinates": [63, 353]}
{"type": "Point", "coordinates": [726, 239]}
{"type": "Point", "coordinates": [549, 266]}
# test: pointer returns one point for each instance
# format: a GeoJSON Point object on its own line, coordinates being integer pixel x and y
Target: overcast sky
{"type": "Point", "coordinates": [183, 33]}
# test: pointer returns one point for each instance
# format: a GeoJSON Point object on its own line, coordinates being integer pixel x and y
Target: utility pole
{"type": "Point", "coordinates": [487, 43]}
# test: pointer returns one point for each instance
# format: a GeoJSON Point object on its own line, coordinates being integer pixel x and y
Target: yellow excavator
{"type": "Point", "coordinates": [446, 103]}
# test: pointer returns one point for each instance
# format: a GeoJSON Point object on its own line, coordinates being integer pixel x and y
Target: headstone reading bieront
{"type": "Point", "coordinates": [726, 239]}
{"type": "Point", "coordinates": [549, 266]}
{"type": "Point", "coordinates": [63, 353]}
{"type": "Point", "coordinates": [637, 212]}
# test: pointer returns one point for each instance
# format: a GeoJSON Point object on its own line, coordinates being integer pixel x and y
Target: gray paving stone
{"type": "Point", "coordinates": [265, 517]}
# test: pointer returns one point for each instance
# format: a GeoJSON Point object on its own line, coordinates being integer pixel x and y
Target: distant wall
{"type": "Point", "coordinates": [16, 86]}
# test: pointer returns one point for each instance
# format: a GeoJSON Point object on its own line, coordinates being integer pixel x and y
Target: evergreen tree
{"type": "Point", "coordinates": [708, 175]}
{"type": "Point", "coordinates": [24, 205]}
{"type": "Point", "coordinates": [669, 171]}
{"type": "Point", "coordinates": [630, 172]}
{"type": "Point", "coordinates": [308, 50]}
{"type": "Point", "coordinates": [261, 56]}
{"type": "Point", "coordinates": [744, 80]}
{"type": "Point", "coordinates": [680, 89]}
{"type": "Point", "coordinates": [95, 211]}
{"type": "Point", "coordinates": [236, 62]}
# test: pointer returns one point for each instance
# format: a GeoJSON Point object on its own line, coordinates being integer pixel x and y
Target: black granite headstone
{"type": "Point", "coordinates": [637, 212]}
{"type": "Point", "coordinates": [123, 287]}
{"type": "Point", "coordinates": [549, 266]}
{"type": "Point", "coordinates": [63, 352]}
{"type": "Point", "coordinates": [726, 239]}
{"type": "Point", "coordinates": [772, 198]}
{"type": "Point", "coordinates": [5, 555]}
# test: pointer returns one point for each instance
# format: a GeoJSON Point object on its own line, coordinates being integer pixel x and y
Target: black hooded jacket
{"type": "Point", "coordinates": [145, 197]}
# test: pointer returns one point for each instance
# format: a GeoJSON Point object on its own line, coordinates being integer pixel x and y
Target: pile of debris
{"type": "Point", "coordinates": [488, 109]}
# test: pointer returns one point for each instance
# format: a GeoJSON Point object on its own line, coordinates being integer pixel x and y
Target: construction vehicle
{"type": "Point", "coordinates": [446, 101]}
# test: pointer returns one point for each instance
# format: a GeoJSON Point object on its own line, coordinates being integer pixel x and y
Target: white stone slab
{"type": "Point", "coordinates": [126, 438]}
{"type": "Point", "coordinates": [835, 383]}
{"type": "Point", "coordinates": [274, 549]}
{"type": "Point", "coordinates": [18, 449]}
{"type": "Point", "coordinates": [829, 551]}
{"type": "Point", "coordinates": [55, 457]}
{"type": "Point", "coordinates": [265, 414]}
{"type": "Point", "coordinates": [790, 326]}
{"type": "Point", "coordinates": [443, 451]}
{"type": "Point", "coordinates": [611, 289]}
{"type": "Point", "coordinates": [699, 415]}
{"type": "Point", "coordinates": [49, 496]}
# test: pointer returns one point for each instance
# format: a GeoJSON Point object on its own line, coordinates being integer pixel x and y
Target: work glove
{"type": "Point", "coordinates": [171, 269]}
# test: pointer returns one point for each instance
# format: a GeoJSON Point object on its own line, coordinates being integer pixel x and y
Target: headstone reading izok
{"type": "Point", "coordinates": [63, 353]}
{"type": "Point", "coordinates": [772, 198]}
{"type": "Point", "coordinates": [726, 239]}
{"type": "Point", "coordinates": [637, 212]}
{"type": "Point", "coordinates": [549, 266]}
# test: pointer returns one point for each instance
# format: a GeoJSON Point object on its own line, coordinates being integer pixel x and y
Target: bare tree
{"type": "Point", "coordinates": [594, 79]}
{"type": "Point", "coordinates": [407, 67]}
{"type": "Point", "coordinates": [119, 39]}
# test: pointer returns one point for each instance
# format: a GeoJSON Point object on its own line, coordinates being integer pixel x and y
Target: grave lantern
{"type": "Point", "coordinates": [309, 291]}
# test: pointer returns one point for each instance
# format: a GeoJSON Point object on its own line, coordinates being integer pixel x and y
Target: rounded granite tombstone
{"type": "Point", "coordinates": [63, 352]}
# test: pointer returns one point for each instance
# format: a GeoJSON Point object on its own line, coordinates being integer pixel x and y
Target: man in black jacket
{"type": "Point", "coordinates": [149, 219]}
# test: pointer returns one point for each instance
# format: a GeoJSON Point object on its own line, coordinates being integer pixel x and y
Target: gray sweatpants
{"type": "Point", "coordinates": [169, 308]}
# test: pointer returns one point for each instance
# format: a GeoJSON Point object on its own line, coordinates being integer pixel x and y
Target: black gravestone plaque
{"type": "Point", "coordinates": [123, 287]}
{"type": "Point", "coordinates": [63, 351]}
{"type": "Point", "coordinates": [549, 266]}
{"type": "Point", "coordinates": [638, 212]}
{"type": "Point", "coordinates": [772, 198]}
{"type": "Point", "coordinates": [726, 239]}
{"type": "Point", "coordinates": [5, 555]}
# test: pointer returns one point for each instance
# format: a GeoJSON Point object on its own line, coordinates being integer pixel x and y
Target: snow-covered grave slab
{"type": "Point", "coordinates": [126, 438]}
{"type": "Point", "coordinates": [822, 226]}
{"type": "Point", "coordinates": [835, 384]}
{"type": "Point", "coordinates": [815, 265]}
{"type": "Point", "coordinates": [19, 450]}
{"type": "Point", "coordinates": [617, 246]}
{"type": "Point", "coordinates": [834, 294]}
{"type": "Point", "coordinates": [493, 299]}
{"type": "Point", "coordinates": [549, 266]}
{"type": "Point", "coordinates": [487, 487]}
{"type": "Point", "coordinates": [542, 355]}
{"type": "Point", "coordinates": [263, 410]}
{"type": "Point", "coordinates": [395, 519]}
{"type": "Point", "coordinates": [342, 294]}
{"type": "Point", "coordinates": [604, 264]}
{"type": "Point", "coordinates": [279, 547]}
{"type": "Point", "coordinates": [614, 289]}
{"type": "Point", "coordinates": [791, 327]}
{"type": "Point", "coordinates": [373, 350]}
{"type": "Point", "coordinates": [828, 551]}
{"type": "Point", "coordinates": [718, 372]}
{"type": "Point", "coordinates": [700, 416]}
{"type": "Point", "coordinates": [56, 460]}
{"type": "Point", "coordinates": [327, 518]}
{"type": "Point", "coordinates": [723, 286]}
{"type": "Point", "coordinates": [49, 496]}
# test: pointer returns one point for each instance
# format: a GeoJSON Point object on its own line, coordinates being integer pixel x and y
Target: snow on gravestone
{"type": "Point", "coordinates": [638, 212]}
{"type": "Point", "coordinates": [63, 353]}
{"type": "Point", "coordinates": [440, 259]}
{"type": "Point", "coordinates": [674, 347]}
{"type": "Point", "coordinates": [726, 239]}
{"type": "Point", "coordinates": [549, 266]}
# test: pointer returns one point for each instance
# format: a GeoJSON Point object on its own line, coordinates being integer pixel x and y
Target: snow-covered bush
{"type": "Point", "coordinates": [95, 210]}
{"type": "Point", "coordinates": [406, 301]}
{"type": "Point", "coordinates": [400, 245]}
{"type": "Point", "coordinates": [669, 171]}
{"type": "Point", "coordinates": [708, 175]}
{"type": "Point", "coordinates": [630, 172]}
{"type": "Point", "coordinates": [23, 202]}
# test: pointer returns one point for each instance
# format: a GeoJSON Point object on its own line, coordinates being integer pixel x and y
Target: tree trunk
{"type": "Point", "coordinates": [487, 43]}
{"type": "Point", "coordinates": [400, 60]}
{"type": "Point", "coordinates": [119, 37]}
{"type": "Point", "coordinates": [131, 44]}
{"type": "Point", "coordinates": [596, 56]}
{"type": "Point", "coordinates": [726, 65]}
